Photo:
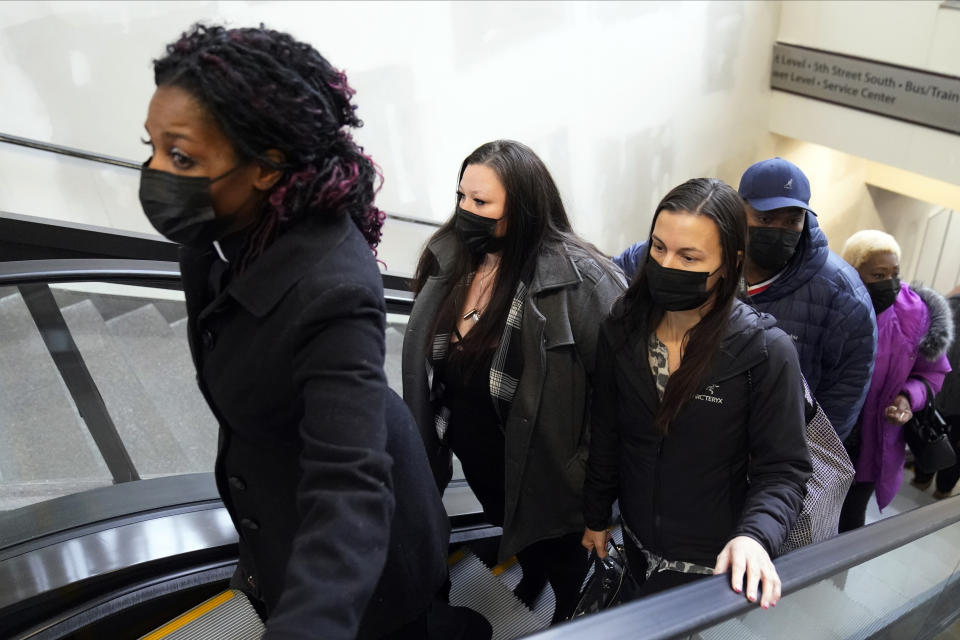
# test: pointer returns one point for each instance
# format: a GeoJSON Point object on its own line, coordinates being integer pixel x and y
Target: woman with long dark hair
{"type": "Point", "coordinates": [253, 170]}
{"type": "Point", "coordinates": [498, 355]}
{"type": "Point", "coordinates": [698, 409]}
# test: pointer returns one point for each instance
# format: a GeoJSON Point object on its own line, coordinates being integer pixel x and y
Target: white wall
{"type": "Point", "coordinates": [912, 33]}
{"type": "Point", "coordinates": [838, 190]}
{"type": "Point", "coordinates": [622, 100]}
{"type": "Point", "coordinates": [915, 33]}
{"type": "Point", "coordinates": [924, 232]}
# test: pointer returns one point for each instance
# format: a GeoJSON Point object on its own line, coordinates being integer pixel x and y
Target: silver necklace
{"type": "Point", "coordinates": [474, 313]}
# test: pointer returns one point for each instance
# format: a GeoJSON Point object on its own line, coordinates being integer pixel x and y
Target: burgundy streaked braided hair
{"type": "Point", "coordinates": [268, 91]}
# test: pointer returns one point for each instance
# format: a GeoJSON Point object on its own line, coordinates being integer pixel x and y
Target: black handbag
{"type": "Point", "coordinates": [608, 585]}
{"type": "Point", "coordinates": [928, 435]}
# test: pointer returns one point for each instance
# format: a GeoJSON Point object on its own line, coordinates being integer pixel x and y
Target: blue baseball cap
{"type": "Point", "coordinates": [774, 184]}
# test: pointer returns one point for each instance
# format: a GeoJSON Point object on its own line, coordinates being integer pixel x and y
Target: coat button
{"type": "Point", "coordinates": [247, 523]}
{"type": "Point", "coordinates": [237, 483]}
{"type": "Point", "coordinates": [208, 339]}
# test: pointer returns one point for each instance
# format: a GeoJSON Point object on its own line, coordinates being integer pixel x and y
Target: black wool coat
{"type": "Point", "coordinates": [735, 460]}
{"type": "Point", "coordinates": [342, 532]}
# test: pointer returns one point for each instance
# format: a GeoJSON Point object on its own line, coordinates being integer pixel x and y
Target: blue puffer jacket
{"type": "Point", "coordinates": [820, 302]}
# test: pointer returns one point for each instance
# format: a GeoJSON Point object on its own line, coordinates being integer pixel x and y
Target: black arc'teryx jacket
{"type": "Point", "coordinates": [735, 461]}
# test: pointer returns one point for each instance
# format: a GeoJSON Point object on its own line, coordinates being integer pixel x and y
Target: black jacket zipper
{"type": "Point", "coordinates": [656, 498]}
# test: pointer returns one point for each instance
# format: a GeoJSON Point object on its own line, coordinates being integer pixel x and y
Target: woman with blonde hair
{"type": "Point", "coordinates": [914, 330]}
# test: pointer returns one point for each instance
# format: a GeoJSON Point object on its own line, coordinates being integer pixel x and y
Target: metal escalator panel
{"type": "Point", "coordinates": [75, 577]}
{"type": "Point", "coordinates": [226, 616]}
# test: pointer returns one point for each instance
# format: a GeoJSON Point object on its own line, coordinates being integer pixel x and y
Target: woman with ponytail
{"type": "Point", "coordinates": [698, 410]}
{"type": "Point", "coordinates": [254, 172]}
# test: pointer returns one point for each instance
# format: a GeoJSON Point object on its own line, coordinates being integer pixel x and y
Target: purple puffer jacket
{"type": "Point", "coordinates": [912, 338]}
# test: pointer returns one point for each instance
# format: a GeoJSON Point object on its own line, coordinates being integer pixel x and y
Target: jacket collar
{"type": "Point", "coordinates": [554, 269]}
{"type": "Point", "coordinates": [283, 264]}
{"type": "Point", "coordinates": [744, 343]}
{"type": "Point", "coordinates": [444, 249]}
{"type": "Point", "coordinates": [934, 336]}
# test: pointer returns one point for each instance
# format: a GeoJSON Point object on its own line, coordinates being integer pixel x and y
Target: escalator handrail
{"type": "Point", "coordinates": [86, 270]}
{"type": "Point", "coordinates": [134, 272]}
{"type": "Point", "coordinates": [708, 602]}
{"type": "Point", "coordinates": [84, 512]}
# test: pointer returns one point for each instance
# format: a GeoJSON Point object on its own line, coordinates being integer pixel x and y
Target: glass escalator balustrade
{"type": "Point", "coordinates": [132, 342]}
{"type": "Point", "coordinates": [903, 593]}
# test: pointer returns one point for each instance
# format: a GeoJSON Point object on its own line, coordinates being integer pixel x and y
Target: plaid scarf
{"type": "Point", "coordinates": [505, 370]}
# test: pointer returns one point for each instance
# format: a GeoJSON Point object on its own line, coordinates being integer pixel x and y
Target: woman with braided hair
{"type": "Point", "coordinates": [254, 172]}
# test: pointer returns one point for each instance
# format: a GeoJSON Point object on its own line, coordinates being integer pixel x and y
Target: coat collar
{"type": "Point", "coordinates": [444, 249]}
{"type": "Point", "coordinates": [554, 269]}
{"type": "Point", "coordinates": [940, 333]}
{"type": "Point", "coordinates": [283, 264]}
{"type": "Point", "coordinates": [744, 342]}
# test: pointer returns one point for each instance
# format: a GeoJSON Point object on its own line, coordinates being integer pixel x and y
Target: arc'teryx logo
{"type": "Point", "coordinates": [712, 390]}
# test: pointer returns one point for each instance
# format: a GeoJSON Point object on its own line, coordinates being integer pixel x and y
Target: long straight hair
{"type": "Point", "coordinates": [718, 201]}
{"type": "Point", "coordinates": [535, 218]}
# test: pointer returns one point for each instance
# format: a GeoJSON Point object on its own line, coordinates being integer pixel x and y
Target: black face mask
{"type": "Point", "coordinates": [179, 207]}
{"type": "Point", "coordinates": [771, 248]}
{"type": "Point", "coordinates": [676, 289]}
{"type": "Point", "coordinates": [477, 232]}
{"type": "Point", "coordinates": [883, 293]}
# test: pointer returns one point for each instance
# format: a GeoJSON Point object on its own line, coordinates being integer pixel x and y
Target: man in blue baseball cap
{"type": "Point", "coordinates": [816, 297]}
{"type": "Point", "coordinates": [778, 196]}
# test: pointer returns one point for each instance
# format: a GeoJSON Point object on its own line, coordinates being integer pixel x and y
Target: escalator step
{"type": "Point", "coordinates": [227, 616]}
{"type": "Point", "coordinates": [44, 443]}
{"type": "Point", "coordinates": [153, 447]}
{"type": "Point", "coordinates": [474, 586]}
{"type": "Point", "coordinates": [161, 362]}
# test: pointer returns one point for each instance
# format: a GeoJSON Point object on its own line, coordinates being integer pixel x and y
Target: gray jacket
{"type": "Point", "coordinates": [548, 429]}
